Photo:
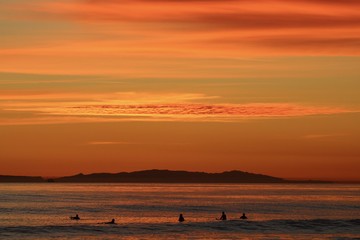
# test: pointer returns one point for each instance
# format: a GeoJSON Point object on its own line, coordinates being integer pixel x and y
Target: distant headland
{"type": "Point", "coordinates": [159, 176]}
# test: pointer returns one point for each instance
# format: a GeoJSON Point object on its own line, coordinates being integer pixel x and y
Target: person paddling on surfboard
{"type": "Point", "coordinates": [75, 218]}
{"type": "Point", "coordinates": [223, 217]}
{"type": "Point", "coordinates": [111, 222]}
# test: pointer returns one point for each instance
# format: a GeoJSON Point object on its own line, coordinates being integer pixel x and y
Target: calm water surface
{"type": "Point", "coordinates": [150, 211]}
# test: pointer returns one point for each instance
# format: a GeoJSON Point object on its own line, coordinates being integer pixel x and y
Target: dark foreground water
{"type": "Point", "coordinates": [150, 211]}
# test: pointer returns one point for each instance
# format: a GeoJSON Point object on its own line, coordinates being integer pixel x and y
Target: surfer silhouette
{"type": "Point", "coordinates": [243, 216]}
{"type": "Point", "coordinates": [75, 218]}
{"type": "Point", "coordinates": [181, 218]}
{"type": "Point", "coordinates": [111, 222]}
{"type": "Point", "coordinates": [223, 217]}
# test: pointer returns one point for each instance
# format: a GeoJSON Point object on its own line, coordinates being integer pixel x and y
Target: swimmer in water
{"type": "Point", "coordinates": [181, 218]}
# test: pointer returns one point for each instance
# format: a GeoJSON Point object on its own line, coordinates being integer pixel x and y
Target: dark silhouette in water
{"type": "Point", "coordinates": [181, 218]}
{"type": "Point", "coordinates": [243, 216]}
{"type": "Point", "coordinates": [112, 222]}
{"type": "Point", "coordinates": [75, 218]}
{"type": "Point", "coordinates": [223, 217]}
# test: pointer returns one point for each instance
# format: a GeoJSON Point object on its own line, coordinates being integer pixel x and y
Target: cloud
{"type": "Point", "coordinates": [294, 43]}
{"type": "Point", "coordinates": [43, 119]}
{"type": "Point", "coordinates": [138, 30]}
{"type": "Point", "coordinates": [311, 42]}
{"type": "Point", "coordinates": [206, 15]}
{"type": "Point", "coordinates": [173, 39]}
{"type": "Point", "coordinates": [31, 97]}
{"type": "Point", "coordinates": [194, 112]}
{"type": "Point", "coordinates": [109, 143]}
{"type": "Point", "coordinates": [325, 2]}
{"type": "Point", "coordinates": [321, 136]}
{"type": "Point", "coordinates": [181, 112]}
{"type": "Point", "coordinates": [39, 108]}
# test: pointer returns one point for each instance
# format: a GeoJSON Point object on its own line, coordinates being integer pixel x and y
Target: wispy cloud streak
{"type": "Point", "coordinates": [171, 39]}
{"type": "Point", "coordinates": [192, 112]}
{"type": "Point", "coordinates": [138, 106]}
{"type": "Point", "coordinates": [110, 143]}
{"type": "Point", "coordinates": [210, 15]}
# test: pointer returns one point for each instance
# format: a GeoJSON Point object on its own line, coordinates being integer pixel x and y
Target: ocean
{"type": "Point", "coordinates": [150, 211]}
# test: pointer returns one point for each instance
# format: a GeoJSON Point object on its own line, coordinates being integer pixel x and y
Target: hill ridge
{"type": "Point", "coordinates": [159, 176]}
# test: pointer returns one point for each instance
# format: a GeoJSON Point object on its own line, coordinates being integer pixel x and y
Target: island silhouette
{"type": "Point", "coordinates": [160, 176]}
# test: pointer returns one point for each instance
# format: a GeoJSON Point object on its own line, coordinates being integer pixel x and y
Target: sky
{"type": "Point", "coordinates": [264, 86]}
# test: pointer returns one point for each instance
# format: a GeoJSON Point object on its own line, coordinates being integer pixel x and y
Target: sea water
{"type": "Point", "coordinates": [150, 211]}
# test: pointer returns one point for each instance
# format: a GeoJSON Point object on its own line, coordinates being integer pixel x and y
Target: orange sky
{"type": "Point", "coordinates": [266, 86]}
